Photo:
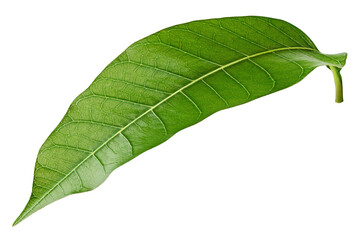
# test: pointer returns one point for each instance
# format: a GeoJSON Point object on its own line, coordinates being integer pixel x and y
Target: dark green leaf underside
{"type": "Point", "coordinates": [164, 83]}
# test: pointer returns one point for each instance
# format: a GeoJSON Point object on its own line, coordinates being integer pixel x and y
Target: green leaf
{"type": "Point", "coordinates": [164, 83]}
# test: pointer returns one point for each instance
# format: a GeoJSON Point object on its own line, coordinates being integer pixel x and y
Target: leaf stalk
{"type": "Point", "coordinates": [338, 84]}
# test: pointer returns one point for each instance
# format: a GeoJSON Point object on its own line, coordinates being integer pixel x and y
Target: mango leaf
{"type": "Point", "coordinates": [164, 83]}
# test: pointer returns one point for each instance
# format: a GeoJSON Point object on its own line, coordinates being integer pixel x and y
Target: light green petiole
{"type": "Point", "coordinates": [338, 84]}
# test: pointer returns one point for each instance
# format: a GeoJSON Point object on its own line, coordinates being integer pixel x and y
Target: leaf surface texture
{"type": "Point", "coordinates": [164, 83]}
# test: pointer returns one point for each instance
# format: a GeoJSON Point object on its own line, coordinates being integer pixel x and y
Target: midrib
{"type": "Point", "coordinates": [151, 109]}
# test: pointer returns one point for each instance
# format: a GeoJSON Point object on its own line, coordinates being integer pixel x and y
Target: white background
{"type": "Point", "coordinates": [285, 166]}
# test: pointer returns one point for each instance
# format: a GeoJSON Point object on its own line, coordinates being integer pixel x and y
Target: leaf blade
{"type": "Point", "coordinates": [202, 85]}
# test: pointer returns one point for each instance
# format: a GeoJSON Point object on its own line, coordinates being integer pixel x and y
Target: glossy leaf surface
{"type": "Point", "coordinates": [164, 83]}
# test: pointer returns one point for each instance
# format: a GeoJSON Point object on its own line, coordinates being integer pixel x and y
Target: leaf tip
{"type": "Point", "coordinates": [21, 217]}
{"type": "Point", "coordinates": [17, 221]}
